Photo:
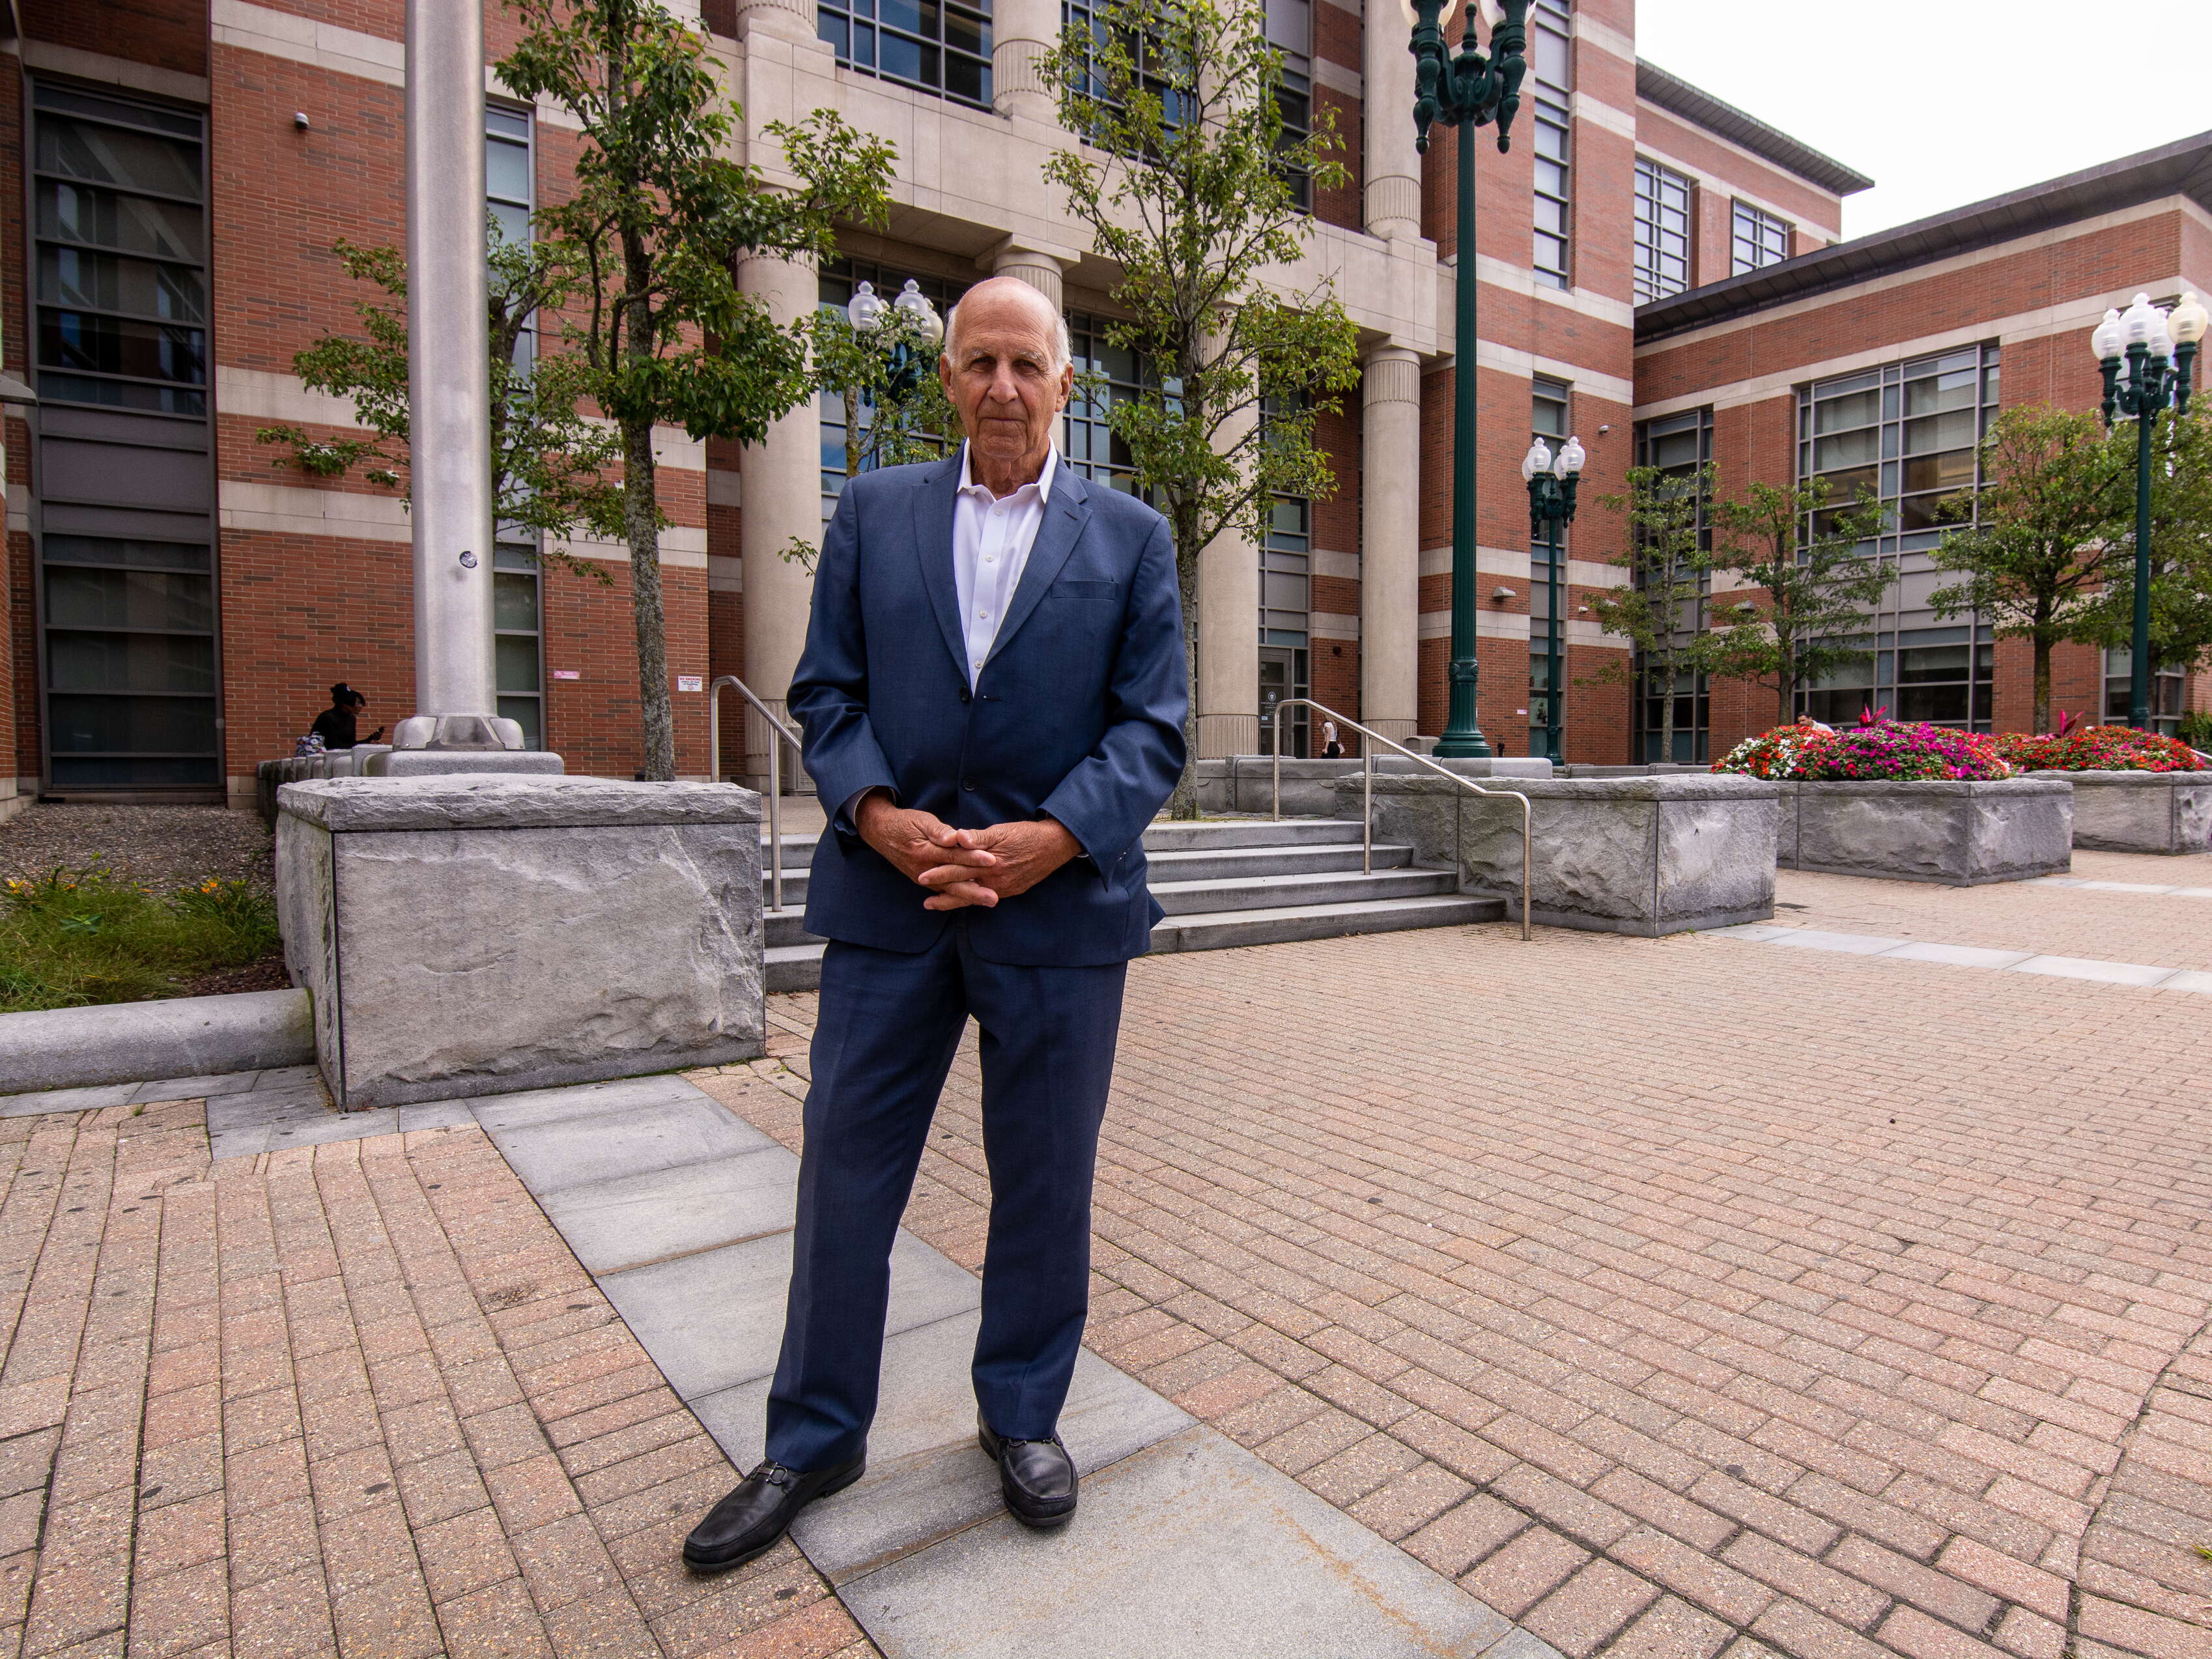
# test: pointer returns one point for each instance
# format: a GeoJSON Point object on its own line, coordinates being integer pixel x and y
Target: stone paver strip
{"type": "Point", "coordinates": [334, 1400]}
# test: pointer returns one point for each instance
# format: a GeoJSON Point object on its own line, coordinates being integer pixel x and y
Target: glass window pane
{"type": "Point", "coordinates": [129, 662]}
{"type": "Point", "coordinates": [524, 712]}
{"type": "Point", "coordinates": [160, 725]}
{"type": "Point", "coordinates": [515, 661]}
{"type": "Point", "coordinates": [85, 598]}
{"type": "Point", "coordinates": [102, 154]}
{"type": "Point", "coordinates": [102, 549]}
{"type": "Point", "coordinates": [507, 170]}
{"type": "Point", "coordinates": [131, 224]}
{"type": "Point", "coordinates": [514, 601]}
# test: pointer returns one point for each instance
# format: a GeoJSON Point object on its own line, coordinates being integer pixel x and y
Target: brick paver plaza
{"type": "Point", "coordinates": [1679, 1298]}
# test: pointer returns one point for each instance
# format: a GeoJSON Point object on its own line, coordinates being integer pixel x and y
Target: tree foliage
{"type": "Point", "coordinates": [1801, 547]}
{"type": "Point", "coordinates": [1665, 550]}
{"type": "Point", "coordinates": [659, 221]}
{"type": "Point", "coordinates": [2180, 545]}
{"type": "Point", "coordinates": [1188, 189]}
{"type": "Point", "coordinates": [549, 460]}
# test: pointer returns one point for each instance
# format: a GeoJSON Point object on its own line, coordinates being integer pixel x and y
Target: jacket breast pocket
{"type": "Point", "coordinates": [1068, 591]}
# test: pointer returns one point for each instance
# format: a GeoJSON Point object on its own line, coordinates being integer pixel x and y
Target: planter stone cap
{"type": "Point", "coordinates": [2103, 780]}
{"type": "Point", "coordinates": [1691, 786]}
{"type": "Point", "coordinates": [496, 801]}
{"type": "Point", "coordinates": [2041, 783]}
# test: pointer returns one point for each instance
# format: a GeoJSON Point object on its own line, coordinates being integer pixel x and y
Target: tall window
{"type": "Point", "coordinates": [1761, 240]}
{"type": "Point", "coordinates": [1550, 83]}
{"type": "Point", "coordinates": [1907, 435]}
{"type": "Point", "coordinates": [121, 249]}
{"type": "Point", "coordinates": [118, 241]}
{"type": "Point", "coordinates": [1547, 418]}
{"type": "Point", "coordinates": [1662, 232]}
{"type": "Point", "coordinates": [942, 46]}
{"type": "Point", "coordinates": [1677, 445]}
{"type": "Point", "coordinates": [1290, 31]}
{"type": "Point", "coordinates": [1104, 375]}
{"type": "Point", "coordinates": [839, 280]}
{"type": "Point", "coordinates": [517, 666]}
{"type": "Point", "coordinates": [2169, 686]}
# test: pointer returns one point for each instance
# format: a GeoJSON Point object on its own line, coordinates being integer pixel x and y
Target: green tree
{"type": "Point", "coordinates": [2181, 544]}
{"type": "Point", "coordinates": [2038, 554]}
{"type": "Point", "coordinates": [1668, 557]}
{"type": "Point", "coordinates": [894, 412]}
{"type": "Point", "coordinates": [1802, 547]}
{"type": "Point", "coordinates": [549, 460]}
{"type": "Point", "coordinates": [1193, 189]}
{"type": "Point", "coordinates": [659, 221]}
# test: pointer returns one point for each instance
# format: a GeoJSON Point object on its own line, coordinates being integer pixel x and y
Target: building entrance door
{"type": "Point", "coordinates": [1282, 674]}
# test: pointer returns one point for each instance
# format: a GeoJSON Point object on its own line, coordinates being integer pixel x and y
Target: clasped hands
{"type": "Point", "coordinates": [962, 867]}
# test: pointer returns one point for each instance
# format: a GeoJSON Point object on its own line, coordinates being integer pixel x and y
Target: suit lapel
{"type": "Point", "coordinates": [1065, 513]}
{"type": "Point", "coordinates": [932, 543]}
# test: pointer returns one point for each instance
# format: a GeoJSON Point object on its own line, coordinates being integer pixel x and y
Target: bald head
{"type": "Point", "coordinates": [1005, 368]}
{"type": "Point", "coordinates": [998, 297]}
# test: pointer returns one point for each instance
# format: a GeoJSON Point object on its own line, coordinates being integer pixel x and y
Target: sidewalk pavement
{"type": "Point", "coordinates": [356, 1398]}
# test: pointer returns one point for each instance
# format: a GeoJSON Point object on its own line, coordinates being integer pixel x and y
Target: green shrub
{"type": "Point", "coordinates": [2196, 729]}
{"type": "Point", "coordinates": [72, 937]}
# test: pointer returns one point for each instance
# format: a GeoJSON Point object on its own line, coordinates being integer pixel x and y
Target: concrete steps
{"type": "Point", "coordinates": [1223, 884]}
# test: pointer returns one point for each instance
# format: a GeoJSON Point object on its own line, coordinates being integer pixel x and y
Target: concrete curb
{"type": "Point", "coordinates": [176, 1037]}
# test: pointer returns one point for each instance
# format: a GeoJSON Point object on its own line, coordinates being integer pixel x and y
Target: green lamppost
{"type": "Point", "coordinates": [2156, 373]}
{"type": "Point", "coordinates": [1465, 91]}
{"type": "Point", "coordinates": [1551, 505]}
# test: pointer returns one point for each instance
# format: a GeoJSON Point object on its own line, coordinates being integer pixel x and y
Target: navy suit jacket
{"type": "Point", "coordinates": [1077, 715]}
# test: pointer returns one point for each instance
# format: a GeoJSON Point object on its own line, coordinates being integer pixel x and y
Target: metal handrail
{"type": "Point", "coordinates": [779, 734]}
{"type": "Point", "coordinates": [1367, 789]}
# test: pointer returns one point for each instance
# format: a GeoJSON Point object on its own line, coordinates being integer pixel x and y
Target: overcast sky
{"type": "Point", "coordinates": [1942, 102]}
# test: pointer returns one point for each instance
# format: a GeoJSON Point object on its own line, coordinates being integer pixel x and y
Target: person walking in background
{"type": "Point", "coordinates": [1330, 748]}
{"type": "Point", "coordinates": [992, 693]}
{"type": "Point", "coordinates": [339, 725]}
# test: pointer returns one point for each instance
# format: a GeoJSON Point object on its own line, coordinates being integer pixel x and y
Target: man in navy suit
{"type": "Point", "coordinates": [992, 695]}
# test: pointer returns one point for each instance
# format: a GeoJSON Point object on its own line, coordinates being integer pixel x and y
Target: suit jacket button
{"type": "Point", "coordinates": [967, 784]}
{"type": "Point", "coordinates": [964, 697]}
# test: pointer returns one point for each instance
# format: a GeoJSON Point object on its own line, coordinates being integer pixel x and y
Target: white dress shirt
{"type": "Point", "coordinates": [992, 536]}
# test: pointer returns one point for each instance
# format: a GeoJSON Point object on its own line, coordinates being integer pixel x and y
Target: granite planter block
{"type": "Point", "coordinates": [1956, 833]}
{"type": "Point", "coordinates": [1645, 855]}
{"type": "Point", "coordinates": [475, 934]}
{"type": "Point", "coordinates": [2140, 812]}
{"type": "Point", "coordinates": [1246, 783]}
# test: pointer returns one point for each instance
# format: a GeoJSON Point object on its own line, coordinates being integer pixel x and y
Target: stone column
{"type": "Point", "coordinates": [1390, 542]}
{"type": "Point", "coordinates": [779, 495]}
{"type": "Point", "coordinates": [1393, 206]}
{"type": "Point", "coordinates": [1022, 32]}
{"type": "Point", "coordinates": [1040, 270]}
{"type": "Point", "coordinates": [794, 19]}
{"type": "Point", "coordinates": [1229, 637]}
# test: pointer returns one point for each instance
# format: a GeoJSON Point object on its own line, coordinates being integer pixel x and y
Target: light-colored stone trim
{"type": "Point", "coordinates": [2076, 316]}
{"type": "Point", "coordinates": [1393, 199]}
{"type": "Point", "coordinates": [1756, 160]}
{"type": "Point", "coordinates": [1327, 562]}
{"type": "Point", "coordinates": [1337, 78]}
{"type": "Point", "coordinates": [1510, 360]}
{"type": "Point", "coordinates": [1976, 257]}
{"type": "Point", "coordinates": [724, 487]}
{"type": "Point", "coordinates": [1491, 624]}
{"type": "Point", "coordinates": [1330, 625]}
{"type": "Point", "coordinates": [295, 510]}
{"type": "Point", "coordinates": [1730, 188]}
{"type": "Point", "coordinates": [112, 71]}
{"type": "Point", "coordinates": [249, 28]}
{"type": "Point", "coordinates": [682, 547]}
{"type": "Point", "coordinates": [1584, 106]}
{"type": "Point", "coordinates": [1519, 279]}
{"type": "Point", "coordinates": [725, 574]}
{"type": "Point", "coordinates": [1604, 37]}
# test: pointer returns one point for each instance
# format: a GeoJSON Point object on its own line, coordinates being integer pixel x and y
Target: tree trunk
{"type": "Point", "coordinates": [1182, 805]}
{"type": "Point", "coordinates": [1667, 713]}
{"type": "Point", "coordinates": [2042, 683]}
{"type": "Point", "coordinates": [642, 525]}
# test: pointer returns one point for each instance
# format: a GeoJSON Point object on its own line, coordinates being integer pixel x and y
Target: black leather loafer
{"type": "Point", "coordinates": [760, 1510]}
{"type": "Point", "coordinates": [1036, 1477]}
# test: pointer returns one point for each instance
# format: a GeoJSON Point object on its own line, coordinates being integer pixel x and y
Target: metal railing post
{"type": "Point", "coordinates": [779, 735]}
{"type": "Point", "coordinates": [1367, 828]}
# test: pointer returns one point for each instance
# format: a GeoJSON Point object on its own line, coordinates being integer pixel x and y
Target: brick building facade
{"type": "Point", "coordinates": [174, 173]}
